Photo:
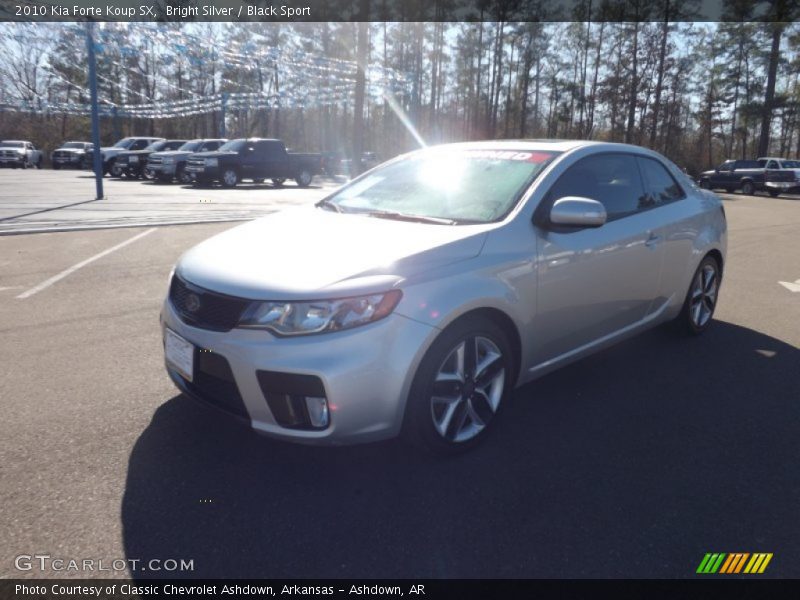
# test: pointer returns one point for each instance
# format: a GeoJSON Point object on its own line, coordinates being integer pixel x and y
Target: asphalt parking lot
{"type": "Point", "coordinates": [632, 463]}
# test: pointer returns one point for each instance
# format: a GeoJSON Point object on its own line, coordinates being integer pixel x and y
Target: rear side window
{"type": "Point", "coordinates": [211, 146]}
{"type": "Point", "coordinates": [612, 179]}
{"type": "Point", "coordinates": [661, 184]}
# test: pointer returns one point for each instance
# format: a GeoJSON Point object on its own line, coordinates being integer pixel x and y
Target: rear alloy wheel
{"type": "Point", "coordinates": [304, 178]}
{"type": "Point", "coordinates": [230, 178]}
{"type": "Point", "coordinates": [148, 174]}
{"type": "Point", "coordinates": [701, 300]}
{"type": "Point", "coordinates": [459, 387]}
{"type": "Point", "coordinates": [748, 188]}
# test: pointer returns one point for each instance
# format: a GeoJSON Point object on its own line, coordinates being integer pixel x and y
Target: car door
{"type": "Point", "coordinates": [275, 160]}
{"type": "Point", "coordinates": [595, 282]}
{"type": "Point", "coordinates": [250, 161]}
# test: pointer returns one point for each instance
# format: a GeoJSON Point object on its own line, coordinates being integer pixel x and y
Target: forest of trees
{"type": "Point", "coordinates": [697, 92]}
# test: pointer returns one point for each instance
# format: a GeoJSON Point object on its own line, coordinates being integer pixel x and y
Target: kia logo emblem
{"type": "Point", "coordinates": [192, 303]}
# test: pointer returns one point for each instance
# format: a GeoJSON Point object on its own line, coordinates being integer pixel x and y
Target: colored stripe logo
{"type": "Point", "coordinates": [734, 562]}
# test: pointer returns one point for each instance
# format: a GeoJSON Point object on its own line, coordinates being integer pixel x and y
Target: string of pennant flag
{"type": "Point", "coordinates": [255, 73]}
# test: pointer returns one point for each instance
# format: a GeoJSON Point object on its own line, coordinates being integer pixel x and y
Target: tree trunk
{"type": "Point", "coordinates": [358, 111]}
{"type": "Point", "coordinates": [769, 95]}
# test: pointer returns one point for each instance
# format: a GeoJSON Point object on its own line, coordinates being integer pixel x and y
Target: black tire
{"type": "Point", "coordinates": [748, 189]}
{"type": "Point", "coordinates": [182, 176]}
{"type": "Point", "coordinates": [730, 190]}
{"type": "Point", "coordinates": [113, 169]}
{"type": "Point", "coordinates": [148, 174]}
{"type": "Point", "coordinates": [419, 427]}
{"type": "Point", "coordinates": [229, 177]}
{"type": "Point", "coordinates": [687, 320]}
{"type": "Point", "coordinates": [304, 178]}
{"type": "Point", "coordinates": [278, 181]}
{"type": "Point", "coordinates": [24, 163]}
{"type": "Point", "coordinates": [39, 163]}
{"type": "Point", "coordinates": [774, 193]}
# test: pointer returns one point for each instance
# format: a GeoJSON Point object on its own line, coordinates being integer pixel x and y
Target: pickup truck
{"type": "Point", "coordinates": [253, 158]}
{"type": "Point", "coordinates": [170, 165]}
{"type": "Point", "coordinates": [746, 175]}
{"type": "Point", "coordinates": [14, 153]}
{"type": "Point", "coordinates": [110, 153]}
{"type": "Point", "coordinates": [133, 163]}
{"type": "Point", "coordinates": [77, 155]}
{"type": "Point", "coordinates": [783, 164]}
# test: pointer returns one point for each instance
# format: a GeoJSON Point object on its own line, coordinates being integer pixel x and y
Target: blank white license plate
{"type": "Point", "coordinates": [179, 354]}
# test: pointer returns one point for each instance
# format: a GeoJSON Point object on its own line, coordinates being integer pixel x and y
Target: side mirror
{"type": "Point", "coordinates": [578, 212]}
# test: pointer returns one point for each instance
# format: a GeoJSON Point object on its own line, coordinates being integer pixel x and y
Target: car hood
{"type": "Point", "coordinates": [175, 153]}
{"type": "Point", "coordinates": [311, 253]}
{"type": "Point", "coordinates": [213, 154]}
{"type": "Point", "coordinates": [73, 150]}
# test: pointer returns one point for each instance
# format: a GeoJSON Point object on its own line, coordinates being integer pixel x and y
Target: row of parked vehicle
{"type": "Point", "coordinates": [766, 174]}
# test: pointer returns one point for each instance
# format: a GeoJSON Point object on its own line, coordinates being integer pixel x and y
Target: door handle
{"type": "Point", "coordinates": [652, 240]}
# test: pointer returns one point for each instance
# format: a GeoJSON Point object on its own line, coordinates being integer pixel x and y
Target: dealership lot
{"type": "Point", "coordinates": [28, 203]}
{"type": "Point", "coordinates": [634, 462]}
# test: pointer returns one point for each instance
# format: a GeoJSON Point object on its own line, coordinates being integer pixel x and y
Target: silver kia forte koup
{"type": "Point", "coordinates": [414, 299]}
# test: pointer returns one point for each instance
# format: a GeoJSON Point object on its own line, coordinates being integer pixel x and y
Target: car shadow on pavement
{"type": "Point", "coordinates": [634, 462]}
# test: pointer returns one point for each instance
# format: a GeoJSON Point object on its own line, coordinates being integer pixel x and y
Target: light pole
{"type": "Point", "coordinates": [98, 159]}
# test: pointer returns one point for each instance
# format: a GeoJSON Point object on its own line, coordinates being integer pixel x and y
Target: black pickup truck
{"type": "Point", "coordinates": [253, 158]}
{"type": "Point", "coordinates": [746, 175]}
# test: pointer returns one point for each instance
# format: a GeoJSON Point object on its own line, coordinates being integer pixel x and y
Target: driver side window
{"type": "Point", "coordinates": [611, 179]}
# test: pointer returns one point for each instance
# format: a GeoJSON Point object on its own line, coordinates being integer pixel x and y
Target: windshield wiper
{"type": "Point", "coordinates": [397, 216]}
{"type": "Point", "coordinates": [329, 204]}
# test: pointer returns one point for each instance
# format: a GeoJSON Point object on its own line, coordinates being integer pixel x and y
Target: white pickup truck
{"type": "Point", "coordinates": [769, 162]}
{"type": "Point", "coordinates": [15, 153]}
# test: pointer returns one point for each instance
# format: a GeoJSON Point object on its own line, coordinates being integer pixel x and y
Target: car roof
{"type": "Point", "coordinates": [544, 144]}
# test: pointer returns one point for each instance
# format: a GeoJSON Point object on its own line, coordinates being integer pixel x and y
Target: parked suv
{"type": "Point", "coordinates": [22, 154]}
{"type": "Point", "coordinates": [171, 164]}
{"type": "Point", "coordinates": [746, 175]}
{"type": "Point", "coordinates": [254, 158]}
{"type": "Point", "coordinates": [133, 164]}
{"type": "Point", "coordinates": [110, 154]}
{"type": "Point", "coordinates": [76, 155]}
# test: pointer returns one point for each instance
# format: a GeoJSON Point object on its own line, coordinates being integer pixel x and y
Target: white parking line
{"type": "Point", "coordinates": [47, 283]}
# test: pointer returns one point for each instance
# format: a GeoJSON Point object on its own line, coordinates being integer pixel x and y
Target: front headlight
{"type": "Point", "coordinates": [168, 160]}
{"type": "Point", "coordinates": [212, 162]}
{"type": "Point", "coordinates": [303, 318]}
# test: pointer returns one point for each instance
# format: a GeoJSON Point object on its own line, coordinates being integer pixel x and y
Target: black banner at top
{"type": "Point", "coordinates": [398, 10]}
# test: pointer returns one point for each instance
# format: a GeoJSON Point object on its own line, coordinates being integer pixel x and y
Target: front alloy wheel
{"type": "Point", "coordinates": [701, 301]}
{"type": "Point", "coordinates": [459, 387]}
{"type": "Point", "coordinates": [230, 178]}
{"type": "Point", "coordinates": [467, 390]}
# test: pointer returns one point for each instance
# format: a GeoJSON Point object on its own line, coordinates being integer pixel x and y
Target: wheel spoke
{"type": "Point", "coordinates": [482, 405]}
{"type": "Point", "coordinates": [696, 312]}
{"type": "Point", "coordinates": [456, 421]}
{"type": "Point", "coordinates": [489, 368]}
{"type": "Point", "coordinates": [448, 408]}
{"type": "Point", "coordinates": [473, 415]}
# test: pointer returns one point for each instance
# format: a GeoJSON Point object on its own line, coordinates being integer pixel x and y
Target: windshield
{"type": "Point", "coordinates": [155, 146]}
{"type": "Point", "coordinates": [73, 145]}
{"type": "Point", "coordinates": [191, 146]}
{"type": "Point", "coordinates": [459, 185]}
{"type": "Point", "coordinates": [124, 143]}
{"type": "Point", "coordinates": [12, 144]}
{"type": "Point", "coordinates": [232, 146]}
{"type": "Point", "coordinates": [791, 164]}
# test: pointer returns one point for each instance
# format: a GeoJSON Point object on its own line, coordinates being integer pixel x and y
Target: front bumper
{"type": "Point", "coordinates": [163, 169]}
{"type": "Point", "coordinates": [366, 373]}
{"type": "Point", "coordinates": [783, 186]}
{"type": "Point", "coordinates": [203, 173]}
{"type": "Point", "coordinates": [7, 161]}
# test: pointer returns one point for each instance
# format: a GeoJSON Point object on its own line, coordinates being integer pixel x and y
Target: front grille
{"type": "Point", "coordinates": [155, 160]}
{"type": "Point", "coordinates": [213, 382]}
{"type": "Point", "coordinates": [9, 154]}
{"type": "Point", "coordinates": [205, 309]}
{"type": "Point", "coordinates": [196, 162]}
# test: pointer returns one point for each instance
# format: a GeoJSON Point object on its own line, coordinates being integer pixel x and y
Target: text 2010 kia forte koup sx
{"type": "Point", "coordinates": [415, 298]}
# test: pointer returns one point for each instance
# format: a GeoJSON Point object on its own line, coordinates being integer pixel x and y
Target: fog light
{"type": "Point", "coordinates": [317, 411]}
